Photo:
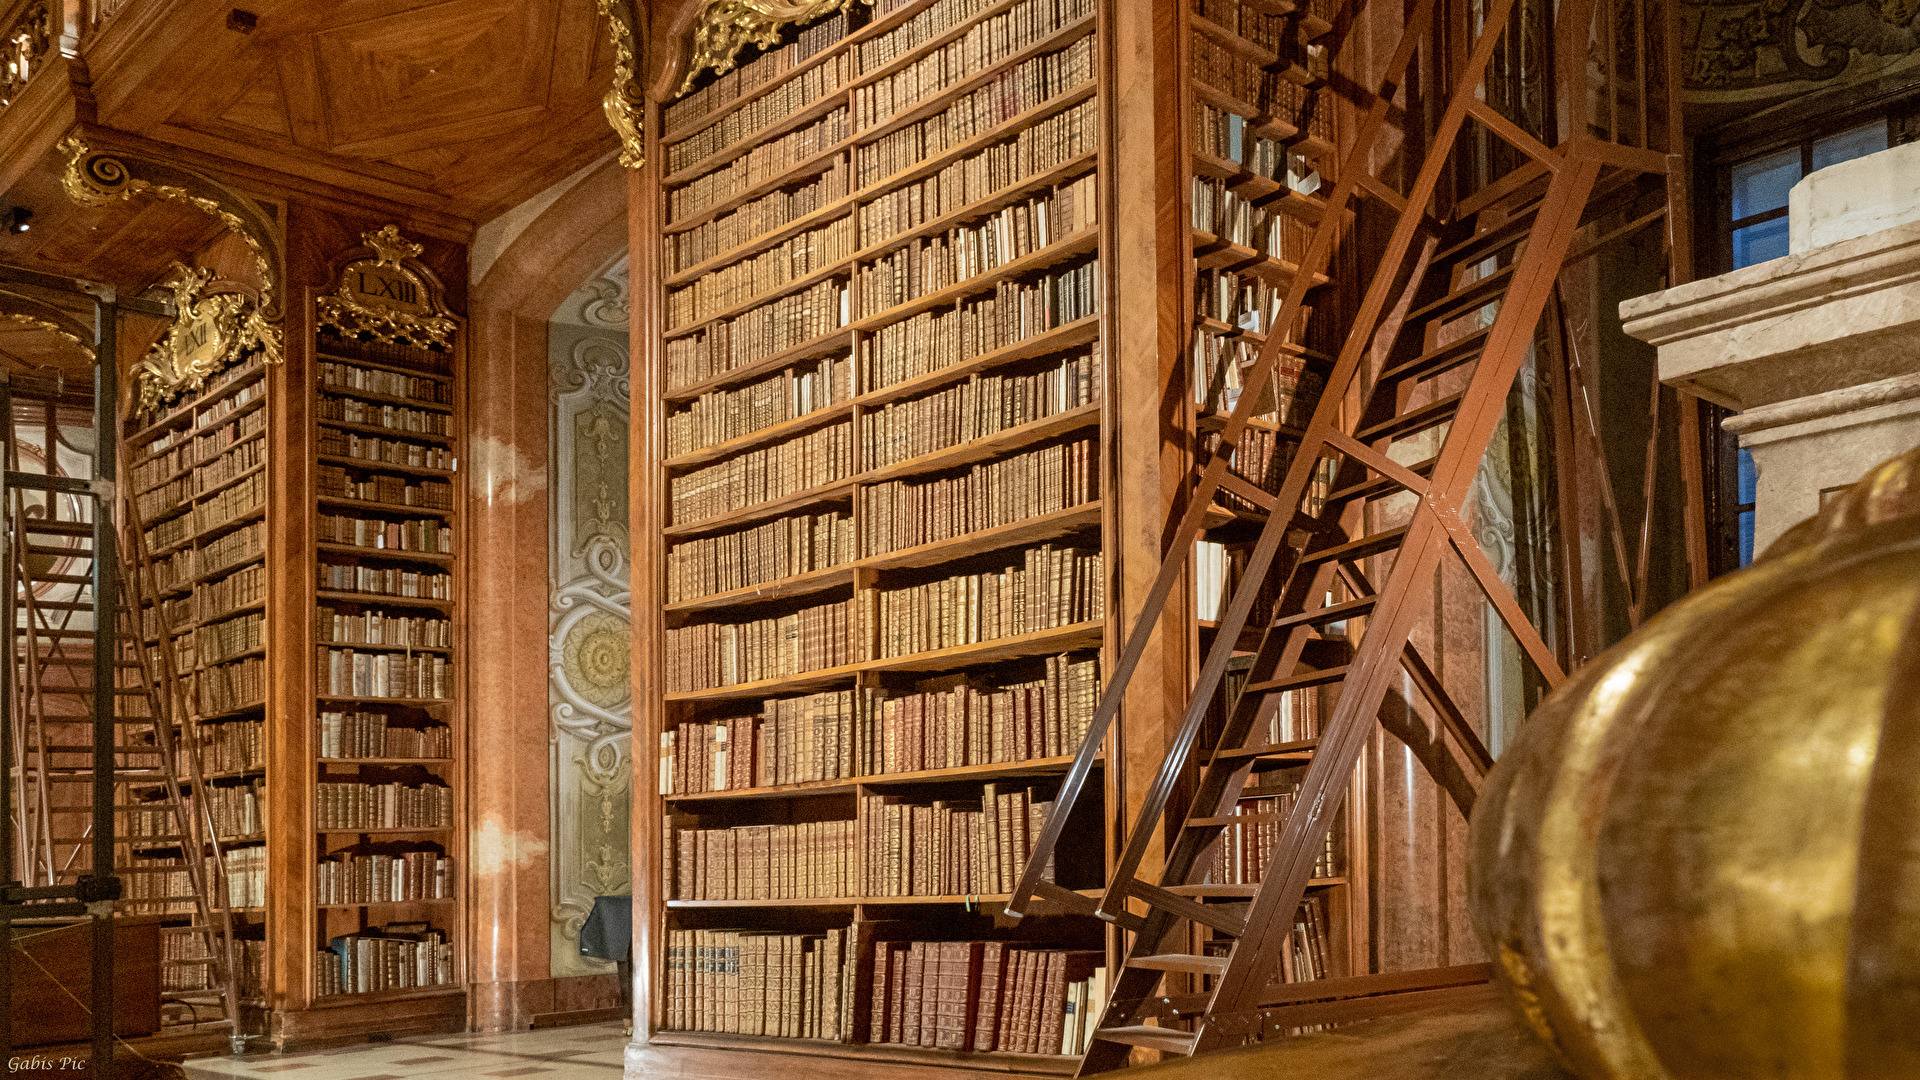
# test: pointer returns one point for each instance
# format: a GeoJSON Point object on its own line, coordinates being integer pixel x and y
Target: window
{"type": "Point", "coordinates": [1756, 229]}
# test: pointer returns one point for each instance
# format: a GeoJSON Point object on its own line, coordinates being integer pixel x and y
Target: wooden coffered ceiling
{"type": "Point", "coordinates": [466, 107]}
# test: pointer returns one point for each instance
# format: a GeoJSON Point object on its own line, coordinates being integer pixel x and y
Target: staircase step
{"type": "Point", "coordinates": [1435, 360]}
{"type": "Point", "coordinates": [1375, 486]}
{"type": "Point", "coordinates": [1298, 681]}
{"type": "Point", "coordinates": [1332, 613]}
{"type": "Point", "coordinates": [57, 528]}
{"type": "Point", "coordinates": [1202, 892]}
{"type": "Point", "coordinates": [1432, 414]}
{"type": "Point", "coordinates": [1376, 544]}
{"type": "Point", "coordinates": [1303, 746]}
{"type": "Point", "coordinates": [1153, 1038]}
{"type": "Point", "coordinates": [1466, 297]}
{"type": "Point", "coordinates": [1184, 962]}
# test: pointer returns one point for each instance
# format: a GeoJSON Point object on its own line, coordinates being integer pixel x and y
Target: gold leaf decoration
{"type": "Point", "coordinates": [624, 97]}
{"type": "Point", "coordinates": [209, 333]}
{"type": "Point", "coordinates": [728, 26]}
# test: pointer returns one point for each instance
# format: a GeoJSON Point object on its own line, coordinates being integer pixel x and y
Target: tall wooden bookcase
{"type": "Point", "coordinates": [810, 386]}
{"type": "Point", "coordinates": [1258, 127]}
{"type": "Point", "coordinates": [377, 727]}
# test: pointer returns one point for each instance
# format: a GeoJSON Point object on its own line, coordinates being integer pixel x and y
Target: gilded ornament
{"type": "Point", "coordinates": [384, 299]}
{"type": "Point", "coordinates": [624, 99]}
{"type": "Point", "coordinates": [209, 333]}
{"type": "Point", "coordinates": [728, 26]}
{"type": "Point", "coordinates": [94, 178]}
{"type": "Point", "coordinates": [1701, 857]}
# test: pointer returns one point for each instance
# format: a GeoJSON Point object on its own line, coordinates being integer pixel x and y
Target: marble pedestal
{"type": "Point", "coordinates": [1819, 351]}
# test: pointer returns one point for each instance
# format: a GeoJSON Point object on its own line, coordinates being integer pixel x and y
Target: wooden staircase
{"type": "Point", "coordinates": [1447, 320]}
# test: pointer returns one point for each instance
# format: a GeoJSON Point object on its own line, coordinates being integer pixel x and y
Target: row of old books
{"type": "Point", "coordinates": [351, 410]}
{"type": "Point", "coordinates": [338, 376]}
{"type": "Point", "coordinates": [985, 996]}
{"type": "Point", "coordinates": [1220, 365]}
{"type": "Point", "coordinates": [720, 415]}
{"type": "Point", "coordinates": [380, 627]}
{"type": "Point", "coordinates": [936, 262]}
{"type": "Point", "coordinates": [170, 533]}
{"type": "Point", "coordinates": [244, 587]}
{"type": "Point", "coordinates": [1049, 586]}
{"type": "Point", "coordinates": [379, 877]}
{"type": "Point", "coordinates": [426, 805]}
{"type": "Point", "coordinates": [348, 673]}
{"type": "Point", "coordinates": [1244, 851]}
{"type": "Point", "coordinates": [174, 453]}
{"type": "Point", "coordinates": [903, 514]}
{"type": "Point", "coordinates": [1236, 219]}
{"type": "Point", "coordinates": [1044, 146]}
{"type": "Point", "coordinates": [374, 448]}
{"type": "Point", "coordinates": [225, 640]}
{"type": "Point", "coordinates": [949, 847]}
{"type": "Point", "coordinates": [431, 359]}
{"type": "Point", "coordinates": [758, 218]}
{"type": "Point", "coordinates": [779, 549]}
{"type": "Point", "coordinates": [245, 497]}
{"type": "Point", "coordinates": [792, 741]}
{"type": "Point", "coordinates": [724, 90]}
{"type": "Point", "coordinates": [245, 872]}
{"type": "Point", "coordinates": [165, 498]}
{"type": "Point", "coordinates": [764, 162]}
{"type": "Point", "coordinates": [397, 956]}
{"type": "Point", "coordinates": [386, 581]}
{"type": "Point", "coordinates": [155, 886]}
{"type": "Point", "coordinates": [1227, 135]}
{"type": "Point", "coordinates": [226, 687]}
{"type": "Point", "coordinates": [225, 550]}
{"type": "Point", "coordinates": [231, 403]}
{"type": "Point", "coordinates": [1262, 458]}
{"type": "Point", "coordinates": [770, 108]}
{"type": "Point", "coordinates": [1307, 950]}
{"type": "Point", "coordinates": [168, 614]}
{"type": "Point", "coordinates": [425, 535]}
{"type": "Point", "coordinates": [233, 809]}
{"type": "Point", "coordinates": [983, 405]}
{"type": "Point", "coordinates": [1270, 32]}
{"type": "Point", "coordinates": [768, 330]}
{"type": "Point", "coordinates": [1265, 90]}
{"type": "Point", "coordinates": [234, 746]}
{"type": "Point", "coordinates": [948, 722]}
{"type": "Point", "coordinates": [983, 45]}
{"type": "Point", "coordinates": [1014, 312]}
{"type": "Point", "coordinates": [773, 472]}
{"type": "Point", "coordinates": [334, 482]}
{"type": "Point", "coordinates": [1013, 91]}
{"type": "Point", "coordinates": [1246, 302]}
{"type": "Point", "coordinates": [766, 862]}
{"type": "Point", "coordinates": [237, 460]}
{"type": "Point", "coordinates": [374, 735]}
{"type": "Point", "coordinates": [758, 982]}
{"type": "Point", "coordinates": [969, 719]}
{"type": "Point", "coordinates": [738, 283]}
{"type": "Point", "coordinates": [709, 655]}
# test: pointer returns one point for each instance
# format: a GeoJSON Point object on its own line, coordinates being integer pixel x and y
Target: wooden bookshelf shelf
{"type": "Point", "coordinates": [384, 466]}
{"type": "Point", "coordinates": [834, 491]}
{"type": "Point", "coordinates": [994, 770]}
{"type": "Point", "coordinates": [386, 432]}
{"type": "Point", "coordinates": [890, 1053]}
{"type": "Point", "coordinates": [383, 598]}
{"type": "Point", "coordinates": [980, 900]}
{"type": "Point", "coordinates": [384, 553]}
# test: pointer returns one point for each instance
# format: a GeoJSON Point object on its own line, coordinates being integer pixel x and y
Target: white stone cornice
{"type": "Point", "coordinates": [1836, 316]}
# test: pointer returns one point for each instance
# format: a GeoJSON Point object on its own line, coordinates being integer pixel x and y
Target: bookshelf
{"type": "Point", "coordinates": [196, 456]}
{"type": "Point", "coordinates": [885, 555]}
{"type": "Point", "coordinates": [1259, 133]}
{"type": "Point", "coordinates": [382, 755]}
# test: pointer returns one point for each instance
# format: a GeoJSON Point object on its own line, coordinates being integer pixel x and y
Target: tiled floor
{"type": "Point", "coordinates": [590, 1052]}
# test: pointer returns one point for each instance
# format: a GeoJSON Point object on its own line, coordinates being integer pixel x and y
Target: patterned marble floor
{"type": "Point", "coordinates": [588, 1052]}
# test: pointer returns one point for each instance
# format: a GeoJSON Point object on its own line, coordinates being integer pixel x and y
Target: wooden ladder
{"type": "Point", "coordinates": [1447, 292]}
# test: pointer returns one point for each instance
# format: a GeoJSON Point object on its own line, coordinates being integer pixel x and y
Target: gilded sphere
{"type": "Point", "coordinates": [1700, 859]}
